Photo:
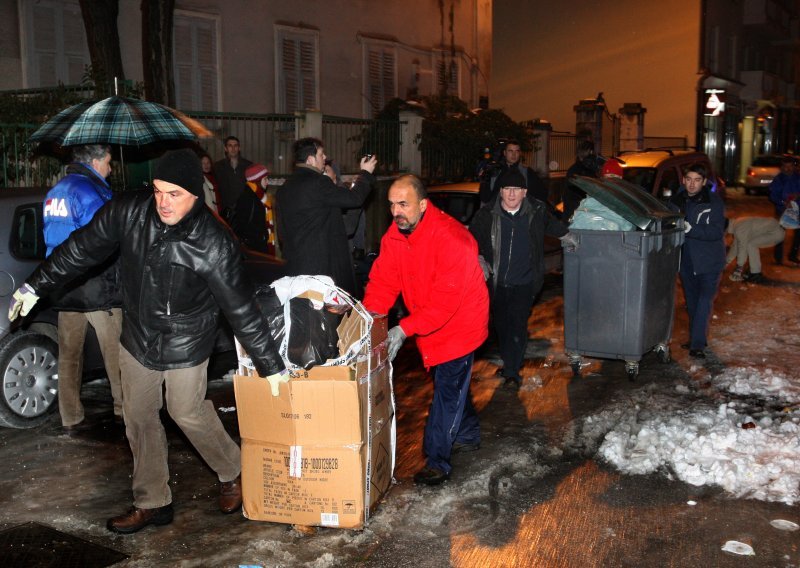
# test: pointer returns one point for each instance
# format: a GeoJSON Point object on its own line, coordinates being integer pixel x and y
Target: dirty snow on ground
{"type": "Point", "coordinates": [740, 431]}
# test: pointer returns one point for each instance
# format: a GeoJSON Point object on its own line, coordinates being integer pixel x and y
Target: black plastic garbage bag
{"type": "Point", "coordinates": [272, 310]}
{"type": "Point", "coordinates": [312, 336]}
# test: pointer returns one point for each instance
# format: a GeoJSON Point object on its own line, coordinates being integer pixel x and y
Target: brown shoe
{"type": "Point", "coordinates": [136, 519]}
{"type": "Point", "coordinates": [230, 495]}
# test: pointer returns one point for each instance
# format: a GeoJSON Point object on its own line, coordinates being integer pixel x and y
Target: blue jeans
{"type": "Point", "coordinates": [699, 291]}
{"type": "Point", "coordinates": [452, 417]}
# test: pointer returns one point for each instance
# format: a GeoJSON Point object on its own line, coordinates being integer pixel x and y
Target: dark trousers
{"type": "Point", "coordinates": [452, 417]}
{"type": "Point", "coordinates": [511, 308]}
{"type": "Point", "coordinates": [699, 291]}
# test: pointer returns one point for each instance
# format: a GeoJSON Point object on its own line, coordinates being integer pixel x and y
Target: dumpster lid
{"type": "Point", "coordinates": [631, 202]}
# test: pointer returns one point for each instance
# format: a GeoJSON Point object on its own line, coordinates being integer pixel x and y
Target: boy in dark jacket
{"type": "Point", "coordinates": [703, 253]}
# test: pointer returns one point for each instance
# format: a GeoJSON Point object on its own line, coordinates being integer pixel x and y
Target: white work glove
{"type": "Point", "coordinates": [394, 341]}
{"type": "Point", "coordinates": [570, 240]}
{"type": "Point", "coordinates": [22, 302]}
{"type": "Point", "coordinates": [487, 270]}
{"type": "Point", "coordinates": [687, 226]}
{"type": "Point", "coordinates": [276, 380]}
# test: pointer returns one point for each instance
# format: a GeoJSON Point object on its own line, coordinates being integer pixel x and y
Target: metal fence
{"type": "Point", "coordinates": [441, 165]}
{"type": "Point", "coordinates": [348, 139]}
{"type": "Point", "coordinates": [264, 138]}
{"type": "Point", "coordinates": [562, 148]}
{"type": "Point", "coordinates": [17, 169]}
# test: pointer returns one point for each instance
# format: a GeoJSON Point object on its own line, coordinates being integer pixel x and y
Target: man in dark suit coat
{"type": "Point", "coordinates": [309, 212]}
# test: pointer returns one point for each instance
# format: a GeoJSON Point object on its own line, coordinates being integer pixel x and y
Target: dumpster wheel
{"type": "Point", "coordinates": [662, 352]}
{"type": "Point", "coordinates": [575, 362]}
{"type": "Point", "coordinates": [632, 368]}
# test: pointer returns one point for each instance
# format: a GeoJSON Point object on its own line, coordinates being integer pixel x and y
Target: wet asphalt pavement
{"type": "Point", "coordinates": [533, 495]}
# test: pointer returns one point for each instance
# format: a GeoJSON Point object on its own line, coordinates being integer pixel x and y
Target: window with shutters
{"type": "Point", "coordinates": [56, 49]}
{"type": "Point", "coordinates": [448, 74]}
{"type": "Point", "coordinates": [195, 62]}
{"type": "Point", "coordinates": [297, 69]}
{"type": "Point", "coordinates": [380, 76]}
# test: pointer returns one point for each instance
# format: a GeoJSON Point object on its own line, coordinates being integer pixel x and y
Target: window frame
{"type": "Point", "coordinates": [283, 32]}
{"type": "Point", "coordinates": [30, 68]}
{"type": "Point", "coordinates": [368, 46]}
{"type": "Point", "coordinates": [440, 57]}
{"type": "Point", "coordinates": [214, 20]}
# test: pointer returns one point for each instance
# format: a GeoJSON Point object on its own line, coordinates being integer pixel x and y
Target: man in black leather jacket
{"type": "Point", "coordinates": [179, 266]}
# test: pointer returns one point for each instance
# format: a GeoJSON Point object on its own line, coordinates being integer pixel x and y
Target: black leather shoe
{"type": "Point", "coordinates": [697, 353]}
{"type": "Point", "coordinates": [513, 382]}
{"type": "Point", "coordinates": [755, 278]}
{"type": "Point", "coordinates": [230, 496]}
{"type": "Point", "coordinates": [430, 476]}
{"type": "Point", "coordinates": [136, 519]}
{"type": "Point", "coordinates": [459, 448]}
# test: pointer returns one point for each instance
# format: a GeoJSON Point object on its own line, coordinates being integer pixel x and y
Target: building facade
{"type": "Point", "coordinates": [724, 73]}
{"type": "Point", "coordinates": [345, 58]}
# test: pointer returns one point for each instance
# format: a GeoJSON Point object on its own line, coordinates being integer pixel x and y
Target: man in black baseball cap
{"type": "Point", "coordinates": [179, 267]}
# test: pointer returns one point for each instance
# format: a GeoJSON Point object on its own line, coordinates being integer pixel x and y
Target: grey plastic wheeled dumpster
{"type": "Point", "coordinates": [619, 285]}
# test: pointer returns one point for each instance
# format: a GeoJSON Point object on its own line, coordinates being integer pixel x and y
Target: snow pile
{"type": "Point", "coordinates": [758, 382]}
{"type": "Point", "coordinates": [748, 447]}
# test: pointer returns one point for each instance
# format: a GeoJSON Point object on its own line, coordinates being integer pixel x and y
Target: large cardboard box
{"type": "Point", "coordinates": [322, 451]}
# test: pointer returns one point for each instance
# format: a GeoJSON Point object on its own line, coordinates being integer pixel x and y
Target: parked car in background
{"type": "Point", "coordinates": [761, 173]}
{"type": "Point", "coordinates": [661, 171]}
{"type": "Point", "coordinates": [461, 201]}
{"type": "Point", "coordinates": [29, 347]}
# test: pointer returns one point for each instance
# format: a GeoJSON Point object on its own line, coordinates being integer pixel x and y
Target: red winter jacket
{"type": "Point", "coordinates": [436, 269]}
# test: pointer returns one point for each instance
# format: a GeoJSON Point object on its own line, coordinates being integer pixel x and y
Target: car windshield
{"type": "Point", "coordinates": [768, 161]}
{"type": "Point", "coordinates": [462, 206]}
{"type": "Point", "coordinates": [644, 177]}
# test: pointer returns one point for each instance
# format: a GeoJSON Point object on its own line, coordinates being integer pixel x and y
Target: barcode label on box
{"type": "Point", "coordinates": [295, 461]}
{"type": "Point", "coordinates": [329, 519]}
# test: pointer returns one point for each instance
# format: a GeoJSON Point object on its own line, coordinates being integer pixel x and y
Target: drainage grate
{"type": "Point", "coordinates": [37, 546]}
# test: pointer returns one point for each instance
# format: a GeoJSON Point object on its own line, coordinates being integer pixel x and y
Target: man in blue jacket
{"type": "Point", "coordinates": [703, 254]}
{"type": "Point", "coordinates": [784, 188]}
{"type": "Point", "coordinates": [91, 300]}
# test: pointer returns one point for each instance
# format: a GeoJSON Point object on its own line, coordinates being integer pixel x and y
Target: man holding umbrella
{"type": "Point", "coordinates": [179, 266]}
{"type": "Point", "coordinates": [92, 299]}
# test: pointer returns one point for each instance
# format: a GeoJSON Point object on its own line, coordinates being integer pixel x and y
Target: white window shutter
{"type": "Point", "coordinates": [291, 92]}
{"type": "Point", "coordinates": [308, 72]}
{"type": "Point", "coordinates": [297, 70]}
{"type": "Point", "coordinates": [195, 60]}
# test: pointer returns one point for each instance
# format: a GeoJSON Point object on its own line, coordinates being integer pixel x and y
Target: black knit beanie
{"type": "Point", "coordinates": [512, 177]}
{"type": "Point", "coordinates": [181, 167]}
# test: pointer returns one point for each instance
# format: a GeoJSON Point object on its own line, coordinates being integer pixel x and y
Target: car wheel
{"type": "Point", "coordinates": [29, 373]}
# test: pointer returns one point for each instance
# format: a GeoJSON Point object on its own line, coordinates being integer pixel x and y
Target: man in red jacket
{"type": "Point", "coordinates": [432, 260]}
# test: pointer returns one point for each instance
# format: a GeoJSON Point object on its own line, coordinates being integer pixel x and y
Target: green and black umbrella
{"type": "Point", "coordinates": [118, 120]}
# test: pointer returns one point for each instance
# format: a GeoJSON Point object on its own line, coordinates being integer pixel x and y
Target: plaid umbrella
{"type": "Point", "coordinates": [118, 120]}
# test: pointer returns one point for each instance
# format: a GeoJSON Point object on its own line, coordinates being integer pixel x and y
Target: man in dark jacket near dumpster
{"type": "Point", "coordinates": [179, 266]}
{"type": "Point", "coordinates": [510, 235]}
{"type": "Point", "coordinates": [703, 253]}
{"type": "Point", "coordinates": [309, 212]}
